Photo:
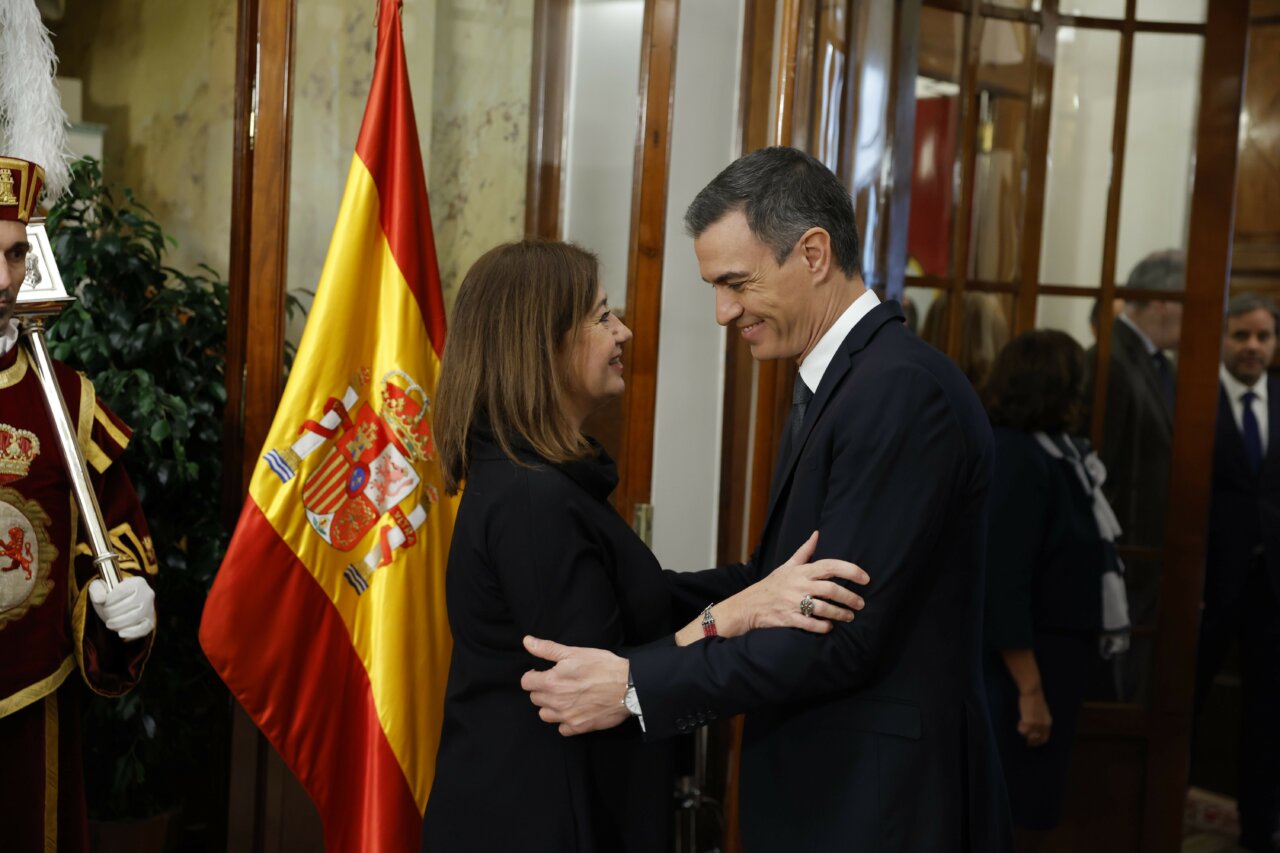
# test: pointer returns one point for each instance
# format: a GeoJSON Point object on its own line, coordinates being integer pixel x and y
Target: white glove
{"type": "Point", "coordinates": [129, 609]}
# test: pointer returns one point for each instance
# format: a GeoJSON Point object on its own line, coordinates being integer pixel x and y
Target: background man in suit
{"type": "Point", "coordinates": [1242, 567]}
{"type": "Point", "coordinates": [1137, 442]}
{"type": "Point", "coordinates": [876, 735]}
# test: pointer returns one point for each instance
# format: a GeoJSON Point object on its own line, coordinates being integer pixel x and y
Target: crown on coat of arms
{"type": "Point", "coordinates": [405, 412]}
{"type": "Point", "coordinates": [18, 449]}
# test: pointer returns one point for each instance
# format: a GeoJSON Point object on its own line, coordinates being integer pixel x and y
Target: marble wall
{"type": "Point", "coordinates": [161, 76]}
{"type": "Point", "coordinates": [480, 129]}
{"type": "Point", "coordinates": [469, 66]}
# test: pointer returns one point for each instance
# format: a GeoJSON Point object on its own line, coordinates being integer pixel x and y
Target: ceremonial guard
{"type": "Point", "coordinates": [59, 622]}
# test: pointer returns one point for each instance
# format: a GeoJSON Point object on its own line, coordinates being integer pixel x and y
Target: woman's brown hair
{"type": "Point", "coordinates": [983, 332]}
{"type": "Point", "coordinates": [501, 363]}
{"type": "Point", "coordinates": [1037, 383]}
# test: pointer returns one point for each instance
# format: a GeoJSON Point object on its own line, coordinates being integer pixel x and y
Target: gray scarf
{"type": "Point", "coordinates": [1089, 469]}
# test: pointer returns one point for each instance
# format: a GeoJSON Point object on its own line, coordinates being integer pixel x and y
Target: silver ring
{"type": "Point", "coordinates": [806, 606]}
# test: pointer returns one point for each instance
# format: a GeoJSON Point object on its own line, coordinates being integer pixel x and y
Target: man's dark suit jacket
{"type": "Point", "coordinates": [875, 736]}
{"type": "Point", "coordinates": [1245, 512]}
{"type": "Point", "coordinates": [1137, 441]}
{"type": "Point", "coordinates": [1245, 515]}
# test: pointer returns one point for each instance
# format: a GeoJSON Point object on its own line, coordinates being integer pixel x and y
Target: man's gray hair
{"type": "Point", "coordinates": [783, 192]}
{"type": "Point", "coordinates": [1166, 270]}
{"type": "Point", "coordinates": [1247, 303]}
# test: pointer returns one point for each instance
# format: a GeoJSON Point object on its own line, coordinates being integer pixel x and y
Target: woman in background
{"type": "Point", "coordinates": [538, 550]}
{"type": "Point", "coordinates": [983, 332]}
{"type": "Point", "coordinates": [1053, 580]}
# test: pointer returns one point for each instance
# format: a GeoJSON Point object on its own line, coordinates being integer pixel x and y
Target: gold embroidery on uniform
{"type": "Point", "coordinates": [133, 555]}
{"type": "Point", "coordinates": [88, 405]}
{"type": "Point", "coordinates": [51, 773]}
{"type": "Point", "coordinates": [94, 455]}
{"type": "Point", "coordinates": [112, 430]}
{"type": "Point", "coordinates": [73, 584]}
{"type": "Point", "coordinates": [7, 183]}
{"type": "Point", "coordinates": [13, 374]}
{"type": "Point", "coordinates": [131, 548]}
{"type": "Point", "coordinates": [39, 690]}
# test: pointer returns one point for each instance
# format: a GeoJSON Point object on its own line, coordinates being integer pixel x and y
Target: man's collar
{"type": "Point", "coordinates": [1235, 388]}
{"type": "Point", "coordinates": [1147, 343]}
{"type": "Point", "coordinates": [8, 337]}
{"type": "Point", "coordinates": [819, 358]}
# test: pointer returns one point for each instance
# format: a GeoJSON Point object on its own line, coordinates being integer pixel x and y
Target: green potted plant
{"type": "Point", "coordinates": [153, 340]}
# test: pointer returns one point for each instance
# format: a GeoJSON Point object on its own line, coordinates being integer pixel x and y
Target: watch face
{"type": "Point", "coordinates": [632, 702]}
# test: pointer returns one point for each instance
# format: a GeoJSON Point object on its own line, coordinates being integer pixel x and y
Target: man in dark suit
{"type": "Point", "coordinates": [876, 735]}
{"type": "Point", "coordinates": [1137, 442]}
{"type": "Point", "coordinates": [1242, 565]}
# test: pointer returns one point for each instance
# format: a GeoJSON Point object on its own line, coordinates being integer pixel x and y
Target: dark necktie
{"type": "Point", "coordinates": [1249, 430]}
{"type": "Point", "coordinates": [1165, 373]}
{"type": "Point", "coordinates": [800, 397]}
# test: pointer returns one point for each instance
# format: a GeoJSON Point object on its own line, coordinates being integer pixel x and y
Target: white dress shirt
{"type": "Point", "coordinates": [819, 358]}
{"type": "Point", "coordinates": [1235, 390]}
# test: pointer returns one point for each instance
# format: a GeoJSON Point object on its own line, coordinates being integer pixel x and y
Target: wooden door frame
{"type": "Point", "coordinates": [267, 809]}
{"type": "Point", "coordinates": [1208, 277]}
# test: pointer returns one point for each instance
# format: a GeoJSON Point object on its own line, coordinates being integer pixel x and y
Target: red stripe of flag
{"type": "Point", "coordinates": [337, 749]}
{"type": "Point", "coordinates": [388, 146]}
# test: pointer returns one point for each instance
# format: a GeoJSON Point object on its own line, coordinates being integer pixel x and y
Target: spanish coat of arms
{"type": "Point", "coordinates": [368, 476]}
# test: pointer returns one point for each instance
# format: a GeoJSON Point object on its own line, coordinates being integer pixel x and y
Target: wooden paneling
{"type": "Point", "coordinates": [737, 440]}
{"type": "Point", "coordinates": [268, 811]}
{"type": "Point", "coordinates": [546, 117]}
{"type": "Point", "coordinates": [1208, 262]}
{"type": "Point", "coordinates": [1258, 181]}
{"type": "Point", "coordinates": [906, 27]}
{"type": "Point", "coordinates": [1099, 813]}
{"type": "Point", "coordinates": [1037, 167]}
{"type": "Point", "coordinates": [233, 485]}
{"type": "Point", "coordinates": [648, 237]}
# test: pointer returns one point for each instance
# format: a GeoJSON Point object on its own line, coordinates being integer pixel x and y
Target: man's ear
{"type": "Point", "coordinates": [815, 249]}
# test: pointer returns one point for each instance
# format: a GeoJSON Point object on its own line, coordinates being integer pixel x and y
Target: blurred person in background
{"type": "Point", "coordinates": [1242, 564]}
{"type": "Point", "coordinates": [1054, 583]}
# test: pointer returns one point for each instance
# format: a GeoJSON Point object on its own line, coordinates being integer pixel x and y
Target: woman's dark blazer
{"type": "Point", "coordinates": [537, 549]}
{"type": "Point", "coordinates": [1044, 556]}
{"type": "Point", "coordinates": [1044, 592]}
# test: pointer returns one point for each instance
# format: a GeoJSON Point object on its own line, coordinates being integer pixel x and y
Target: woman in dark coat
{"type": "Point", "coordinates": [538, 550]}
{"type": "Point", "coordinates": [1049, 557]}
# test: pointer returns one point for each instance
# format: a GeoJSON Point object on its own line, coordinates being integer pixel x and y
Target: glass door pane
{"type": "Point", "coordinates": [1006, 70]}
{"type": "Point", "coordinates": [1187, 11]}
{"type": "Point", "coordinates": [1159, 157]}
{"type": "Point", "coordinates": [1078, 173]}
{"type": "Point", "coordinates": [1093, 8]}
{"type": "Point", "coordinates": [934, 180]}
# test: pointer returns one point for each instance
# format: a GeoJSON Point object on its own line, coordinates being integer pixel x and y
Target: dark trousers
{"type": "Point", "coordinates": [1254, 619]}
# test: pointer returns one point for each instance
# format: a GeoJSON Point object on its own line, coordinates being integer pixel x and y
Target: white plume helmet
{"type": "Point", "coordinates": [33, 125]}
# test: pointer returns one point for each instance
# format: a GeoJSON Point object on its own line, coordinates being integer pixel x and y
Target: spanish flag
{"type": "Point", "coordinates": [327, 618]}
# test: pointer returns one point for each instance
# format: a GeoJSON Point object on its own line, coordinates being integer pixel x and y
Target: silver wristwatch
{"type": "Point", "coordinates": [632, 702]}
